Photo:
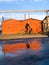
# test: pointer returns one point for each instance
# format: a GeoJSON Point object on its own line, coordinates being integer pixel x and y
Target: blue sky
{"type": "Point", "coordinates": [23, 5]}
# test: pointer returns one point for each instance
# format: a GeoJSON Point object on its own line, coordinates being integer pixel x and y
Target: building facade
{"type": "Point", "coordinates": [45, 24]}
{"type": "Point", "coordinates": [12, 26]}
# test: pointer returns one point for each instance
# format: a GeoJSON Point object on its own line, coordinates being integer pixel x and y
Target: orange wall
{"type": "Point", "coordinates": [12, 26]}
{"type": "Point", "coordinates": [35, 25]}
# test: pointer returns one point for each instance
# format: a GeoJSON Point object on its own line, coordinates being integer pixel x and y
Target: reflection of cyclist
{"type": "Point", "coordinates": [26, 26]}
{"type": "Point", "coordinates": [27, 45]}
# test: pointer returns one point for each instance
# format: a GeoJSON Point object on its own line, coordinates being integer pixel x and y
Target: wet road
{"type": "Point", "coordinates": [37, 54]}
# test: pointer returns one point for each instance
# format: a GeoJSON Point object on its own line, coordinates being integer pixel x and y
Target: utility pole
{"type": "Point", "coordinates": [2, 18]}
{"type": "Point", "coordinates": [47, 12]}
{"type": "Point", "coordinates": [28, 15]}
{"type": "Point", "coordinates": [24, 16]}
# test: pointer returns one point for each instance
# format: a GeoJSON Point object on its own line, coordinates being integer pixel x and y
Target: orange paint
{"type": "Point", "coordinates": [12, 26]}
{"type": "Point", "coordinates": [35, 45]}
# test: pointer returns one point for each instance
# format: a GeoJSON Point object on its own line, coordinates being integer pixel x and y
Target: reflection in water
{"type": "Point", "coordinates": [35, 45]}
{"type": "Point", "coordinates": [13, 48]}
{"type": "Point", "coordinates": [34, 52]}
{"type": "Point", "coordinates": [28, 45]}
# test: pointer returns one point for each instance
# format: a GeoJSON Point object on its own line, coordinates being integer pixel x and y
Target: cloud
{"type": "Point", "coordinates": [20, 16]}
{"type": "Point", "coordinates": [38, 16]}
{"type": "Point", "coordinates": [11, 0]}
{"type": "Point", "coordinates": [5, 0]}
{"type": "Point", "coordinates": [37, 0]}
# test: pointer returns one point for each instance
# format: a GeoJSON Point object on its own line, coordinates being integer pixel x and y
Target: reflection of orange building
{"type": "Point", "coordinates": [13, 48]}
{"type": "Point", "coordinates": [35, 45]}
{"type": "Point", "coordinates": [12, 26]}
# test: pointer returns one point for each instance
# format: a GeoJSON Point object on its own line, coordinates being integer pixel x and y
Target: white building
{"type": "Point", "coordinates": [45, 24]}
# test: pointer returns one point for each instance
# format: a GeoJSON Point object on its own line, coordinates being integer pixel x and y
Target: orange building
{"type": "Point", "coordinates": [12, 26]}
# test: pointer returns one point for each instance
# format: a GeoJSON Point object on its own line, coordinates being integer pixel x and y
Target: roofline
{"type": "Point", "coordinates": [45, 18]}
{"type": "Point", "coordinates": [24, 19]}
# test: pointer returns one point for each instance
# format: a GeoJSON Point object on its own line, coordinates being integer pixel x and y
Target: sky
{"type": "Point", "coordinates": [23, 5]}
